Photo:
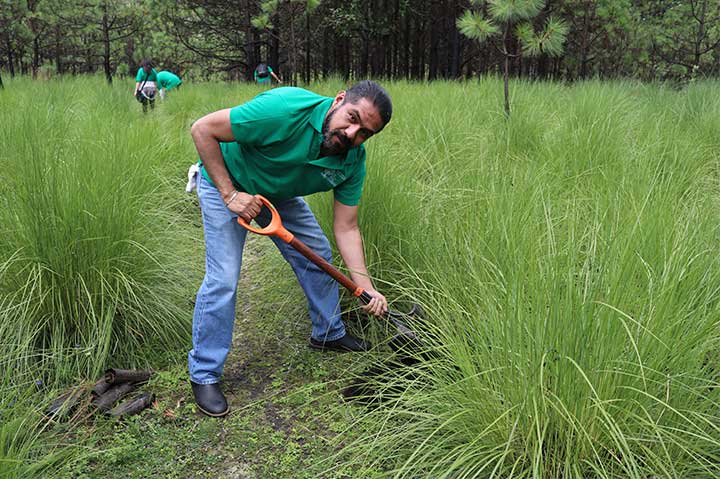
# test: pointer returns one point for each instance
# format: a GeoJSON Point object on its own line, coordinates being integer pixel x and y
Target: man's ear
{"type": "Point", "coordinates": [339, 98]}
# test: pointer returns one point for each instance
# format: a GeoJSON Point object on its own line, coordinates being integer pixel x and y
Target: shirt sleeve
{"type": "Point", "coordinates": [140, 75]}
{"type": "Point", "coordinates": [261, 121]}
{"type": "Point", "coordinates": [349, 191]}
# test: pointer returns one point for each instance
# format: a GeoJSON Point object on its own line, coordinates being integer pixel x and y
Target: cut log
{"type": "Point", "coordinates": [114, 376]}
{"type": "Point", "coordinates": [65, 403]}
{"type": "Point", "coordinates": [133, 406]}
{"type": "Point", "coordinates": [100, 387]}
{"type": "Point", "coordinates": [117, 391]}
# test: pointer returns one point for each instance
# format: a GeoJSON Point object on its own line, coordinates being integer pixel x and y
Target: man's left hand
{"type": "Point", "coordinates": [378, 304]}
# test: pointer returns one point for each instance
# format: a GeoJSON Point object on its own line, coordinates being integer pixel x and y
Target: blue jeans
{"type": "Point", "coordinates": [215, 304]}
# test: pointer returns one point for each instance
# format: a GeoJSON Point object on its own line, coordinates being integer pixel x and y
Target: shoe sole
{"type": "Point", "coordinates": [211, 414]}
{"type": "Point", "coordinates": [318, 347]}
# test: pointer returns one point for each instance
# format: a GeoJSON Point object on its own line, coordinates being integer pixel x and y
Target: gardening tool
{"type": "Point", "coordinates": [405, 338]}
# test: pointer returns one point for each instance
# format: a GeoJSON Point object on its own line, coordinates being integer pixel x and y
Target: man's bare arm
{"type": "Point", "coordinates": [207, 133]}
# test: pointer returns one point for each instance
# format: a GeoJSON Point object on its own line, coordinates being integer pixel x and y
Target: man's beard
{"type": "Point", "coordinates": [329, 146]}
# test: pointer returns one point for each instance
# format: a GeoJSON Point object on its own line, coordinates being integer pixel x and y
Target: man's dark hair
{"type": "Point", "coordinates": [146, 65]}
{"type": "Point", "coordinates": [375, 94]}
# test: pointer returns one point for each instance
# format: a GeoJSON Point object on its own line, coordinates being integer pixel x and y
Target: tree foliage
{"type": "Point", "coordinates": [514, 17]}
{"type": "Point", "coordinates": [413, 39]}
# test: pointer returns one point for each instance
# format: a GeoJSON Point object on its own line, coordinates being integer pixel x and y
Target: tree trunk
{"type": "Point", "coordinates": [325, 64]}
{"type": "Point", "coordinates": [274, 55]}
{"type": "Point", "coordinates": [58, 52]}
{"type": "Point", "coordinates": [130, 54]}
{"type": "Point", "coordinates": [106, 45]}
{"type": "Point", "coordinates": [34, 26]}
{"type": "Point", "coordinates": [347, 62]}
{"type": "Point", "coordinates": [584, 45]}
{"type": "Point", "coordinates": [308, 34]}
{"type": "Point", "coordinates": [249, 48]}
{"type": "Point", "coordinates": [364, 55]}
{"type": "Point", "coordinates": [11, 60]}
{"type": "Point", "coordinates": [418, 58]}
{"type": "Point", "coordinates": [405, 68]}
{"type": "Point", "coordinates": [434, 40]}
{"type": "Point", "coordinates": [506, 74]}
{"type": "Point", "coordinates": [36, 56]}
{"type": "Point", "coordinates": [700, 35]}
{"type": "Point", "coordinates": [454, 68]}
{"type": "Point", "coordinates": [293, 50]}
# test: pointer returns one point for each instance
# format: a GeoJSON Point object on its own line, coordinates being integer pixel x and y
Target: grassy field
{"type": "Point", "coordinates": [566, 260]}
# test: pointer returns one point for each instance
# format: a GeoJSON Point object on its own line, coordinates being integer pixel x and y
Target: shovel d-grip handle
{"type": "Point", "coordinates": [275, 228]}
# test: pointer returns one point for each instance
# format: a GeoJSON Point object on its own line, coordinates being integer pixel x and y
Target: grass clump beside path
{"type": "Point", "coordinates": [91, 252]}
{"type": "Point", "coordinates": [93, 242]}
{"type": "Point", "coordinates": [568, 260]}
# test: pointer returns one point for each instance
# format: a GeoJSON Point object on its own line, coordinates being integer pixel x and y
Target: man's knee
{"type": "Point", "coordinates": [222, 280]}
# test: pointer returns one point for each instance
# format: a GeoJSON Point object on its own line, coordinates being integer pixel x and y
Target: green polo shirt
{"type": "Point", "coordinates": [168, 80]}
{"type": "Point", "coordinates": [278, 137]}
{"type": "Point", "coordinates": [141, 75]}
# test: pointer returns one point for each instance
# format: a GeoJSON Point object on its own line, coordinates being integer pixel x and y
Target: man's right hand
{"type": "Point", "coordinates": [244, 205]}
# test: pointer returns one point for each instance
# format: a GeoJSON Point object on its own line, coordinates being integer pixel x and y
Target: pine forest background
{"type": "Point", "coordinates": [309, 40]}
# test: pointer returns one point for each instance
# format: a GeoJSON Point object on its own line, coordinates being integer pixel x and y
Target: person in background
{"type": "Point", "coordinates": [263, 74]}
{"type": "Point", "coordinates": [146, 84]}
{"type": "Point", "coordinates": [167, 81]}
{"type": "Point", "coordinates": [284, 144]}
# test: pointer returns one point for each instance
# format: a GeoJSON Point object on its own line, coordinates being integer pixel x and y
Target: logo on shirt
{"type": "Point", "coordinates": [334, 177]}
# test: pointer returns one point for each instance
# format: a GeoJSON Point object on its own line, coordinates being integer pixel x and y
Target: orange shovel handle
{"type": "Point", "coordinates": [275, 228]}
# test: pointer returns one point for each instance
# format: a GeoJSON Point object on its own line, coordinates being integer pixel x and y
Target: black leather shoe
{"type": "Point", "coordinates": [347, 343]}
{"type": "Point", "coordinates": [210, 399]}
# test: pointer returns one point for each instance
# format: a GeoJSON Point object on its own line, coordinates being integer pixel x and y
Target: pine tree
{"type": "Point", "coordinates": [508, 17]}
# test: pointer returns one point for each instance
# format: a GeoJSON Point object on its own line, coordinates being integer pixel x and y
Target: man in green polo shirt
{"type": "Point", "coordinates": [284, 144]}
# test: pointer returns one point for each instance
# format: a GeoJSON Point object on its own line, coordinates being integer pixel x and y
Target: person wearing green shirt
{"type": "Point", "coordinates": [263, 74]}
{"type": "Point", "coordinates": [146, 84]}
{"type": "Point", "coordinates": [283, 144]}
{"type": "Point", "coordinates": [167, 81]}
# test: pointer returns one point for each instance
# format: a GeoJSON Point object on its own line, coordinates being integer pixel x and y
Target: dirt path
{"type": "Point", "coordinates": [275, 384]}
{"type": "Point", "coordinates": [283, 395]}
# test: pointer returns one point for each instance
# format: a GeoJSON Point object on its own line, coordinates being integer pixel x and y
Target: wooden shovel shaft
{"type": "Point", "coordinates": [356, 290]}
{"type": "Point", "coordinates": [327, 267]}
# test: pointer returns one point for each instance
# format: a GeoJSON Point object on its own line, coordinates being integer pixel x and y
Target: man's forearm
{"type": "Point", "coordinates": [350, 244]}
{"type": "Point", "coordinates": [209, 150]}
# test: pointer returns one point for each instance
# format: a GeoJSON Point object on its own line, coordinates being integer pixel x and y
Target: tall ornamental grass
{"type": "Point", "coordinates": [100, 248]}
{"type": "Point", "coordinates": [568, 261]}
{"type": "Point", "coordinates": [27, 449]}
{"type": "Point", "coordinates": [93, 242]}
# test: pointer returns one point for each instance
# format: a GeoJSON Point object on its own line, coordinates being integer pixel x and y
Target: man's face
{"type": "Point", "coordinates": [348, 125]}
